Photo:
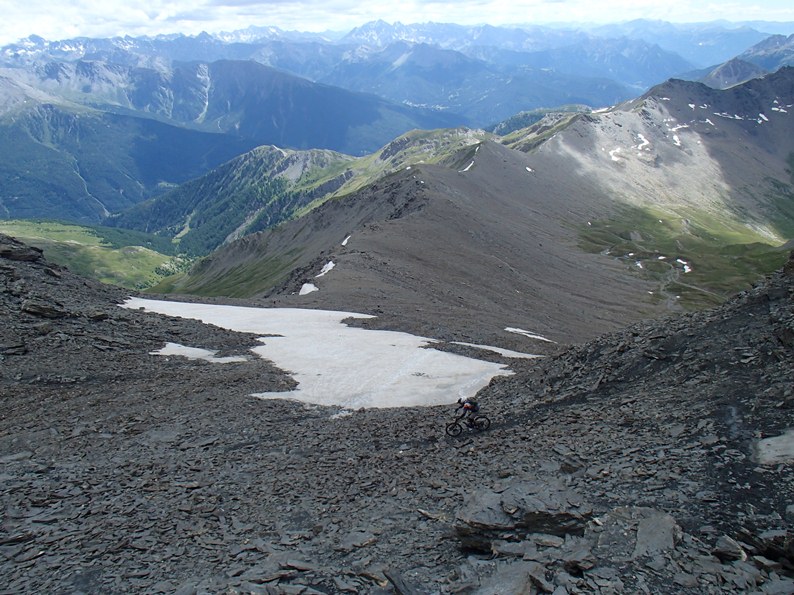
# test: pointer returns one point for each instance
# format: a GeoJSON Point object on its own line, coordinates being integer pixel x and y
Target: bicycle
{"type": "Point", "coordinates": [479, 423]}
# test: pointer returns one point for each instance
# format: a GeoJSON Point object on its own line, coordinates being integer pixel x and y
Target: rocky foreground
{"type": "Point", "coordinates": [657, 459]}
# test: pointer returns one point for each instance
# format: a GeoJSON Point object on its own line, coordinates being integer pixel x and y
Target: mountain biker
{"type": "Point", "coordinates": [470, 408]}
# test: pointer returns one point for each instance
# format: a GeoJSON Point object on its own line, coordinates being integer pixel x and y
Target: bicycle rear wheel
{"type": "Point", "coordinates": [454, 429]}
{"type": "Point", "coordinates": [482, 423]}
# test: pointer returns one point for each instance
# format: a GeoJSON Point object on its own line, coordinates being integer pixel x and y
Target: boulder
{"type": "Point", "coordinates": [727, 549]}
{"type": "Point", "coordinates": [43, 309]}
{"type": "Point", "coordinates": [629, 533]}
{"type": "Point", "coordinates": [516, 577]}
{"type": "Point", "coordinates": [522, 509]}
{"type": "Point", "coordinates": [12, 249]}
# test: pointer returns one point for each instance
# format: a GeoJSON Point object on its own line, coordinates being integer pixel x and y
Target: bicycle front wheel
{"type": "Point", "coordinates": [454, 429]}
{"type": "Point", "coordinates": [482, 423]}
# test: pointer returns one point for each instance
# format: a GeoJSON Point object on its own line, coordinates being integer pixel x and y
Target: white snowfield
{"type": "Point", "coordinates": [335, 364]}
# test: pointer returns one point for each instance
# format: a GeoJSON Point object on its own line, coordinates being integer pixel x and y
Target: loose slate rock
{"type": "Point", "coordinates": [520, 510]}
{"type": "Point", "coordinates": [45, 310]}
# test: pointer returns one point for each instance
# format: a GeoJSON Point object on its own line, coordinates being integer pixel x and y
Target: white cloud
{"type": "Point", "coordinates": [59, 20]}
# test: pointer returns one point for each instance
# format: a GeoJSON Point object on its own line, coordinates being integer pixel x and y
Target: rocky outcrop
{"type": "Point", "coordinates": [520, 510]}
{"type": "Point", "coordinates": [12, 249]}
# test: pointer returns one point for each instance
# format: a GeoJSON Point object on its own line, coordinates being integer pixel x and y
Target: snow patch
{"type": "Point", "coordinates": [197, 353]}
{"type": "Point", "coordinates": [613, 154]}
{"type": "Point", "coordinates": [345, 241]}
{"type": "Point", "coordinates": [676, 140]}
{"type": "Point", "coordinates": [335, 364]}
{"type": "Point", "coordinates": [529, 169]}
{"type": "Point", "coordinates": [499, 350]}
{"type": "Point", "coordinates": [326, 269]}
{"type": "Point", "coordinates": [468, 167]}
{"type": "Point", "coordinates": [520, 331]}
{"type": "Point", "coordinates": [341, 414]}
{"type": "Point", "coordinates": [308, 288]}
{"type": "Point", "coordinates": [401, 60]}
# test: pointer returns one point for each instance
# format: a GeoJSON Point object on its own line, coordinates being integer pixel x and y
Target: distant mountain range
{"type": "Point", "coordinates": [450, 67]}
{"type": "Point", "coordinates": [702, 44]}
{"type": "Point", "coordinates": [85, 139]}
{"type": "Point", "coordinates": [767, 56]}
{"type": "Point", "coordinates": [121, 120]}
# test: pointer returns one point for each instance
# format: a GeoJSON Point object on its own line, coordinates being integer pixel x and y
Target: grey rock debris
{"type": "Point", "coordinates": [606, 470]}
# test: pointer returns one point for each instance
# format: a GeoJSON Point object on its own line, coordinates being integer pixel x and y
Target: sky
{"type": "Point", "coordinates": [59, 19]}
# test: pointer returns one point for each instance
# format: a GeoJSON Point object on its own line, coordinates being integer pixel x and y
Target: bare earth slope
{"type": "Point", "coordinates": [453, 254]}
{"type": "Point", "coordinates": [497, 237]}
{"type": "Point", "coordinates": [655, 459]}
{"type": "Point", "coordinates": [704, 154]}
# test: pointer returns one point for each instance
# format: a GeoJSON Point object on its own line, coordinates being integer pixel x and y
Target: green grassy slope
{"type": "Point", "coordinates": [696, 259]}
{"type": "Point", "coordinates": [129, 259]}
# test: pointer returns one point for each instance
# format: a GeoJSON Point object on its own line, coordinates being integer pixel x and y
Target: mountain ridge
{"type": "Point", "coordinates": [149, 132]}
{"type": "Point", "coordinates": [665, 220]}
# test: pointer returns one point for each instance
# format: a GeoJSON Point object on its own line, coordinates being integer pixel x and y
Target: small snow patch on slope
{"type": "Point", "coordinates": [326, 269]}
{"type": "Point", "coordinates": [520, 331]}
{"type": "Point", "coordinates": [499, 350]}
{"type": "Point", "coordinates": [401, 60]}
{"type": "Point", "coordinates": [308, 288]}
{"type": "Point", "coordinates": [197, 353]}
